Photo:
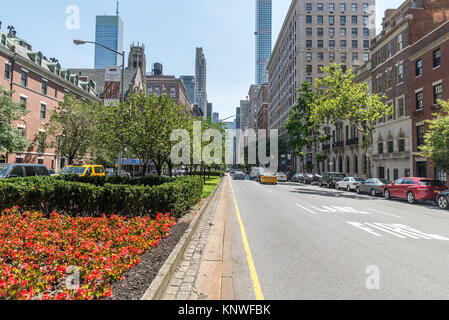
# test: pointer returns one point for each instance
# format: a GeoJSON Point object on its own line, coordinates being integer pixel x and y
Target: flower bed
{"type": "Point", "coordinates": [40, 255]}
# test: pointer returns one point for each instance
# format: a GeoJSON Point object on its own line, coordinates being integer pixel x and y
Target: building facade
{"type": "Point", "coordinates": [168, 85]}
{"type": "Point", "coordinates": [263, 38]}
{"type": "Point", "coordinates": [262, 101]}
{"type": "Point", "coordinates": [252, 96]}
{"type": "Point", "coordinates": [108, 32]}
{"type": "Point", "coordinates": [189, 83]}
{"type": "Point", "coordinates": [200, 81]}
{"type": "Point", "coordinates": [39, 85]}
{"type": "Point", "coordinates": [137, 59]}
{"type": "Point", "coordinates": [210, 110]}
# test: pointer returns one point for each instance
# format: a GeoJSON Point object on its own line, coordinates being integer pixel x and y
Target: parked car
{"type": "Point", "coordinates": [330, 179]}
{"type": "Point", "coordinates": [297, 177]}
{"type": "Point", "coordinates": [348, 183]}
{"type": "Point", "coordinates": [84, 171]}
{"type": "Point", "coordinates": [239, 175]}
{"type": "Point", "coordinates": [282, 177]}
{"type": "Point", "coordinates": [306, 178]}
{"type": "Point", "coordinates": [414, 189]}
{"type": "Point", "coordinates": [269, 177]}
{"type": "Point", "coordinates": [256, 173]}
{"type": "Point", "coordinates": [372, 186]}
{"type": "Point", "coordinates": [316, 179]}
{"type": "Point", "coordinates": [443, 200]}
{"type": "Point", "coordinates": [22, 170]}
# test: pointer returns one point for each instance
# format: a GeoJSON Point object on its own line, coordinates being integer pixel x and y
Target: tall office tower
{"type": "Point", "coordinates": [189, 83]}
{"type": "Point", "coordinates": [263, 38]}
{"type": "Point", "coordinates": [210, 111]}
{"type": "Point", "coordinates": [216, 117]}
{"type": "Point", "coordinates": [200, 81]}
{"type": "Point", "coordinates": [108, 32]}
{"type": "Point", "coordinates": [137, 59]}
{"type": "Point", "coordinates": [245, 106]}
{"type": "Point", "coordinates": [316, 34]}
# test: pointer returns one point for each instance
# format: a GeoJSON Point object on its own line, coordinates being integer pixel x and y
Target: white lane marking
{"type": "Point", "coordinates": [306, 209]}
{"type": "Point", "coordinates": [269, 191]}
{"type": "Point", "coordinates": [388, 214]}
{"type": "Point", "coordinates": [336, 209]}
{"type": "Point", "coordinates": [398, 230]}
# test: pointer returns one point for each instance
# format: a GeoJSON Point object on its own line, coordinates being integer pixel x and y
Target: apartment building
{"type": "Point", "coordinates": [316, 34]}
{"type": "Point", "coordinates": [168, 85]}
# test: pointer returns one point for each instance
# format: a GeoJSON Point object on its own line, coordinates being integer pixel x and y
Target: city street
{"type": "Point", "coordinates": [314, 243]}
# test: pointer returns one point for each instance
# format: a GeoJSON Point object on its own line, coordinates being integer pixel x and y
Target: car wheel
{"type": "Point", "coordinates": [443, 202]}
{"type": "Point", "coordinates": [357, 190]}
{"type": "Point", "coordinates": [387, 194]}
{"type": "Point", "coordinates": [336, 187]}
{"type": "Point", "coordinates": [411, 198]}
{"type": "Point", "coordinates": [373, 193]}
{"type": "Point", "coordinates": [328, 185]}
{"type": "Point", "coordinates": [349, 188]}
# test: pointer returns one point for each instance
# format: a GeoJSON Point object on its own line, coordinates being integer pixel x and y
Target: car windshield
{"type": "Point", "coordinates": [73, 170]}
{"type": "Point", "coordinates": [431, 183]}
{"type": "Point", "coordinates": [3, 171]}
{"type": "Point", "coordinates": [309, 175]}
{"type": "Point", "coordinates": [338, 175]}
{"type": "Point", "coordinates": [268, 174]}
{"type": "Point", "coordinates": [358, 179]}
{"type": "Point", "coordinates": [383, 181]}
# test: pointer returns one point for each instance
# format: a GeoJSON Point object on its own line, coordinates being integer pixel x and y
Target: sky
{"type": "Point", "coordinates": [170, 30]}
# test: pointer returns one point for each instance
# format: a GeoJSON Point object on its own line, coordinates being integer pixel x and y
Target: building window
{"type": "Point", "coordinates": [309, 56]}
{"type": "Point", "coordinates": [419, 100]}
{"type": "Point", "coordinates": [21, 132]}
{"type": "Point", "coordinates": [320, 44]}
{"type": "Point", "coordinates": [342, 7]}
{"type": "Point", "coordinates": [440, 175]}
{"type": "Point", "coordinates": [331, 32]}
{"type": "Point", "coordinates": [320, 32]}
{"type": "Point", "coordinates": [379, 57]}
{"type": "Point", "coordinates": [355, 44]}
{"type": "Point", "coordinates": [43, 112]}
{"type": "Point", "coordinates": [365, 44]}
{"type": "Point", "coordinates": [331, 43]}
{"type": "Point", "coordinates": [19, 160]}
{"type": "Point", "coordinates": [343, 57]}
{"type": "Point", "coordinates": [389, 79]}
{"type": "Point", "coordinates": [308, 7]}
{"type": "Point", "coordinates": [7, 71]}
{"type": "Point", "coordinates": [320, 7]}
{"type": "Point", "coordinates": [400, 73]}
{"type": "Point", "coordinates": [354, 32]}
{"type": "Point", "coordinates": [309, 32]}
{"type": "Point", "coordinates": [365, 32]}
{"type": "Point", "coordinates": [365, 8]}
{"type": "Point", "coordinates": [401, 109]}
{"type": "Point", "coordinates": [23, 103]}
{"type": "Point", "coordinates": [420, 135]}
{"type": "Point", "coordinates": [437, 93]}
{"type": "Point", "coordinates": [343, 32]}
{"type": "Point", "coordinates": [320, 19]}
{"type": "Point", "coordinates": [309, 43]}
{"type": "Point", "coordinates": [309, 69]}
{"type": "Point", "coordinates": [390, 145]}
{"type": "Point", "coordinates": [331, 56]}
{"type": "Point", "coordinates": [308, 19]}
{"type": "Point", "coordinates": [380, 146]}
{"type": "Point", "coordinates": [388, 50]}
{"type": "Point", "coordinates": [436, 58]}
{"type": "Point", "coordinates": [401, 144]}
{"type": "Point", "coordinates": [343, 43]}
{"type": "Point", "coordinates": [354, 7]}
{"type": "Point", "coordinates": [343, 20]}
{"type": "Point", "coordinates": [24, 78]}
{"type": "Point", "coordinates": [331, 20]}
{"type": "Point", "coordinates": [400, 42]}
{"type": "Point", "coordinates": [419, 67]}
{"type": "Point", "coordinates": [366, 57]}
{"type": "Point", "coordinates": [354, 19]}
{"type": "Point", "coordinates": [320, 56]}
{"type": "Point", "coordinates": [44, 87]}
{"type": "Point", "coordinates": [355, 56]}
{"type": "Point", "coordinates": [331, 7]}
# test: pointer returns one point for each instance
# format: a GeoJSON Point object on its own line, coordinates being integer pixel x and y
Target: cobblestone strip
{"type": "Point", "coordinates": [182, 285]}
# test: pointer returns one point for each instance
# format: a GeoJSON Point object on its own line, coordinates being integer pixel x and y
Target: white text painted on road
{"type": "Point", "coordinates": [334, 209]}
{"type": "Point", "coordinates": [397, 230]}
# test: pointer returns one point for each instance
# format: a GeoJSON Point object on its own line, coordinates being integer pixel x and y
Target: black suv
{"type": "Point", "coordinates": [330, 179]}
{"type": "Point", "coordinates": [22, 170]}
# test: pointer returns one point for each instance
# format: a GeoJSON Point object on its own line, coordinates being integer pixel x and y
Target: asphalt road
{"type": "Point", "coordinates": [312, 243]}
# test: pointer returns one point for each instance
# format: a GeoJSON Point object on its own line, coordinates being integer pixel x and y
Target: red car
{"type": "Point", "coordinates": [414, 189]}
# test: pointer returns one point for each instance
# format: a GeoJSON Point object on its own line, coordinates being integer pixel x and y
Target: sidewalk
{"type": "Point", "coordinates": [205, 272]}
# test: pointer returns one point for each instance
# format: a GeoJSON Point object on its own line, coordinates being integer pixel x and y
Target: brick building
{"type": "Point", "coordinates": [429, 61]}
{"type": "Point", "coordinates": [168, 85]}
{"type": "Point", "coordinates": [262, 101]}
{"type": "Point", "coordinates": [39, 85]}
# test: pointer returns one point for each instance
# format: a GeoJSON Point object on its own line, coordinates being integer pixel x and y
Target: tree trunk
{"type": "Point", "coordinates": [170, 169]}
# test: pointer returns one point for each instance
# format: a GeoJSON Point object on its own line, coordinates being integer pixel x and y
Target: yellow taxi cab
{"type": "Point", "coordinates": [84, 171]}
{"type": "Point", "coordinates": [269, 177]}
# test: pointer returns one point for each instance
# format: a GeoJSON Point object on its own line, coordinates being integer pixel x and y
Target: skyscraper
{"type": "Point", "coordinates": [108, 32]}
{"type": "Point", "coordinates": [200, 81]}
{"type": "Point", "coordinates": [263, 38]}
{"type": "Point", "coordinates": [210, 110]}
{"type": "Point", "coordinates": [189, 83]}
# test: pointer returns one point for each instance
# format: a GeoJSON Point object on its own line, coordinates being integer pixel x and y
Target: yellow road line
{"type": "Point", "coordinates": [249, 256]}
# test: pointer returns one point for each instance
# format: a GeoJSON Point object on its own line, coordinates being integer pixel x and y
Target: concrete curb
{"type": "Point", "coordinates": [157, 288]}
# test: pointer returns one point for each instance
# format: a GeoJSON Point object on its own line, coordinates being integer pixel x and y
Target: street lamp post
{"type": "Point", "coordinates": [122, 87]}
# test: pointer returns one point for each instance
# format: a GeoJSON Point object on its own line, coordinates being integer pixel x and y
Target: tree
{"type": "Point", "coordinates": [71, 126]}
{"type": "Point", "coordinates": [339, 98]}
{"type": "Point", "coordinates": [302, 130]}
{"type": "Point", "coordinates": [10, 139]}
{"type": "Point", "coordinates": [436, 140]}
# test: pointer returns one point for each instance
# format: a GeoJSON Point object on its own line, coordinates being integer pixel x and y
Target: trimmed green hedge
{"type": "Point", "coordinates": [101, 181]}
{"type": "Point", "coordinates": [207, 174]}
{"type": "Point", "coordinates": [49, 194]}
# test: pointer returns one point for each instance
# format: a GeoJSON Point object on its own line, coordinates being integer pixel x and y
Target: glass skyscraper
{"type": "Point", "coordinates": [189, 83]}
{"type": "Point", "coordinates": [108, 32]}
{"type": "Point", "coordinates": [263, 38]}
{"type": "Point", "coordinates": [200, 81]}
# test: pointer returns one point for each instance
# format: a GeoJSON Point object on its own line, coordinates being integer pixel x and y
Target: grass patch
{"type": "Point", "coordinates": [209, 186]}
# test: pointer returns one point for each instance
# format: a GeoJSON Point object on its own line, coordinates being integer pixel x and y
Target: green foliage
{"type": "Point", "coordinates": [49, 194]}
{"type": "Point", "coordinates": [71, 128]}
{"type": "Point", "coordinates": [10, 140]}
{"type": "Point", "coordinates": [436, 145]}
